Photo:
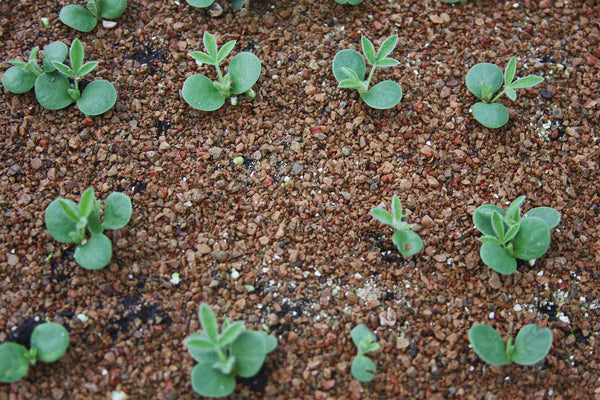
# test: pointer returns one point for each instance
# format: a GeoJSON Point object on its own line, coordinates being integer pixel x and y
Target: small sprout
{"type": "Point", "coordinates": [68, 222]}
{"type": "Point", "coordinates": [238, 160]}
{"type": "Point", "coordinates": [47, 259]}
{"type": "Point", "coordinates": [223, 355]}
{"type": "Point", "coordinates": [349, 69]}
{"type": "Point", "coordinates": [235, 4]}
{"type": "Point", "coordinates": [508, 236]}
{"type": "Point", "coordinates": [244, 69]}
{"type": "Point", "coordinates": [49, 341]}
{"type": "Point", "coordinates": [531, 345]}
{"type": "Point", "coordinates": [484, 80]}
{"type": "Point", "coordinates": [351, 2]}
{"type": "Point", "coordinates": [407, 241]}
{"type": "Point", "coordinates": [84, 19]}
{"type": "Point", "coordinates": [175, 278]}
{"type": "Point", "coordinates": [45, 21]}
{"type": "Point", "coordinates": [362, 367]}
{"type": "Point", "coordinates": [83, 318]}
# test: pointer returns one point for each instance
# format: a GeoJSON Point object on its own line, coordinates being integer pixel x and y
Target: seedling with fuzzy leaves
{"type": "Point", "coordinates": [244, 69]}
{"type": "Point", "coordinates": [349, 69]}
{"type": "Point", "coordinates": [484, 80]}
{"type": "Point", "coordinates": [85, 19]}
{"type": "Point", "coordinates": [351, 2]}
{"type": "Point", "coordinates": [407, 241]}
{"type": "Point", "coordinates": [235, 4]}
{"type": "Point", "coordinates": [362, 367]}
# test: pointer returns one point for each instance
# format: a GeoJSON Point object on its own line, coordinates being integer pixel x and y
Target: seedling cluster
{"type": "Point", "coordinates": [407, 241]}
{"type": "Point", "coordinates": [362, 367]}
{"type": "Point", "coordinates": [84, 19]}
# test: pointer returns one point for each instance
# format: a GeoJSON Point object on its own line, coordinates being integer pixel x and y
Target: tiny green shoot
{"type": "Point", "coordinates": [407, 241]}
{"type": "Point", "coordinates": [350, 2]}
{"type": "Point", "coordinates": [235, 4]}
{"type": "Point", "coordinates": [238, 160]}
{"type": "Point", "coordinates": [362, 367]}
{"type": "Point", "coordinates": [84, 19]}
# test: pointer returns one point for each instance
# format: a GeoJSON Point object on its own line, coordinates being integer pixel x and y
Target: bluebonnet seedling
{"type": "Point", "coordinates": [49, 341]}
{"type": "Point", "coordinates": [508, 235]}
{"type": "Point", "coordinates": [205, 95]}
{"type": "Point", "coordinates": [484, 80]}
{"type": "Point", "coordinates": [362, 367]}
{"type": "Point", "coordinates": [531, 345]}
{"type": "Point", "coordinates": [67, 222]}
{"type": "Point", "coordinates": [349, 69]}
{"type": "Point", "coordinates": [235, 4]}
{"type": "Point", "coordinates": [407, 241]}
{"type": "Point", "coordinates": [85, 19]}
{"type": "Point", "coordinates": [223, 355]}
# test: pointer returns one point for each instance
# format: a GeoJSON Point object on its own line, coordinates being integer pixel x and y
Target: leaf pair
{"type": "Point", "coordinates": [508, 236]}
{"type": "Point", "coordinates": [49, 341]}
{"type": "Point", "coordinates": [67, 222]}
{"type": "Point", "coordinates": [349, 69]}
{"type": "Point", "coordinates": [235, 4]}
{"type": "Point", "coordinates": [531, 345]}
{"type": "Point", "coordinates": [362, 367]}
{"type": "Point", "coordinates": [407, 241]}
{"type": "Point", "coordinates": [484, 80]}
{"type": "Point", "coordinates": [85, 19]}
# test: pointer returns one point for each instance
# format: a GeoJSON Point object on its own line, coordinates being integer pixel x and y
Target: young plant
{"type": "Point", "coordinates": [349, 69]}
{"type": "Point", "coordinates": [235, 4]}
{"type": "Point", "coordinates": [67, 222]}
{"type": "Point", "coordinates": [49, 341]}
{"type": "Point", "coordinates": [205, 95]}
{"type": "Point", "coordinates": [508, 235]}
{"type": "Point", "coordinates": [223, 355]}
{"type": "Point", "coordinates": [484, 80]}
{"type": "Point", "coordinates": [351, 2]}
{"type": "Point", "coordinates": [362, 367]}
{"type": "Point", "coordinates": [531, 345]}
{"type": "Point", "coordinates": [56, 85]}
{"type": "Point", "coordinates": [85, 19]}
{"type": "Point", "coordinates": [407, 241]}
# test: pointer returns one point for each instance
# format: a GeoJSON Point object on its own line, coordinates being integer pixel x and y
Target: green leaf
{"type": "Point", "coordinates": [384, 95]}
{"type": "Point", "coordinates": [237, 4]}
{"type": "Point", "coordinates": [198, 346]}
{"type": "Point", "coordinates": [111, 9]}
{"type": "Point", "coordinates": [352, 76]}
{"type": "Point", "coordinates": [513, 213]}
{"type": "Point", "coordinates": [526, 82]}
{"type": "Point", "coordinates": [532, 240]}
{"type": "Point", "coordinates": [363, 369]}
{"type": "Point", "coordinates": [50, 340]}
{"type": "Point", "coordinates": [64, 69]}
{"type": "Point", "coordinates": [87, 68]}
{"type": "Point", "coordinates": [382, 215]}
{"type": "Point", "coordinates": [386, 48]}
{"type": "Point", "coordinates": [492, 115]}
{"type": "Point", "coordinates": [58, 223]}
{"type": "Point", "coordinates": [244, 70]}
{"type": "Point", "coordinates": [51, 91]}
{"type": "Point", "coordinates": [396, 209]}
{"type": "Point", "coordinates": [209, 322]}
{"type": "Point", "coordinates": [509, 71]}
{"type": "Point", "coordinates": [489, 74]}
{"type": "Point", "coordinates": [531, 345]}
{"type": "Point", "coordinates": [498, 225]}
{"type": "Point", "coordinates": [361, 336]}
{"type": "Point", "coordinates": [97, 98]}
{"type": "Point", "coordinates": [230, 333]}
{"type": "Point", "coordinates": [368, 50]}
{"type": "Point", "coordinates": [200, 3]}
{"type": "Point", "coordinates": [225, 50]}
{"type": "Point", "coordinates": [13, 362]}
{"type": "Point", "coordinates": [270, 341]}
{"type": "Point", "coordinates": [495, 257]}
{"type": "Point", "coordinates": [387, 62]}
{"type": "Point", "coordinates": [210, 44]}
{"type": "Point", "coordinates": [512, 232]}
{"type": "Point", "coordinates": [78, 18]}
{"type": "Point", "coordinates": [482, 218]}
{"type": "Point", "coordinates": [491, 239]}
{"type": "Point", "coordinates": [70, 209]}
{"type": "Point", "coordinates": [548, 214]}
{"type": "Point", "coordinates": [94, 225]}
{"type": "Point", "coordinates": [203, 58]}
{"type": "Point", "coordinates": [117, 211]}
{"type": "Point", "coordinates": [210, 382]}
{"type": "Point", "coordinates": [55, 51]}
{"type": "Point", "coordinates": [249, 350]}
{"type": "Point", "coordinates": [87, 203]}
{"type": "Point", "coordinates": [407, 242]}
{"type": "Point", "coordinates": [225, 367]}
{"type": "Point", "coordinates": [510, 93]}
{"type": "Point", "coordinates": [350, 59]}
{"type": "Point", "coordinates": [200, 93]}
{"type": "Point", "coordinates": [488, 344]}
{"type": "Point", "coordinates": [350, 84]}
{"type": "Point", "coordinates": [76, 55]}
{"type": "Point", "coordinates": [95, 253]}
{"type": "Point", "coordinates": [17, 80]}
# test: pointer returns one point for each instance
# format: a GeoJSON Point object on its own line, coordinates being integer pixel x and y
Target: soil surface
{"type": "Point", "coordinates": [293, 219]}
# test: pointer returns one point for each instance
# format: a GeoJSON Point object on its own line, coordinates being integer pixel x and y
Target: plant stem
{"type": "Point", "coordinates": [219, 73]}
{"type": "Point", "coordinates": [370, 77]}
{"type": "Point", "coordinates": [497, 96]}
{"type": "Point", "coordinates": [220, 353]}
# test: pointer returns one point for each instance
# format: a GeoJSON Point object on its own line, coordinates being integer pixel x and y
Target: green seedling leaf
{"type": "Point", "coordinates": [488, 74]}
{"type": "Point", "coordinates": [510, 93]}
{"type": "Point", "coordinates": [364, 340]}
{"type": "Point", "coordinates": [351, 2]}
{"type": "Point", "coordinates": [509, 72]}
{"type": "Point", "coordinates": [498, 225]}
{"type": "Point", "coordinates": [407, 242]}
{"type": "Point", "coordinates": [203, 58]}
{"type": "Point", "coordinates": [384, 95]}
{"type": "Point", "coordinates": [368, 50]}
{"type": "Point", "coordinates": [210, 44]}
{"type": "Point", "coordinates": [78, 18]}
{"type": "Point", "coordinates": [51, 91]}
{"type": "Point", "coordinates": [17, 80]}
{"type": "Point", "coordinates": [210, 382]}
{"type": "Point", "coordinates": [386, 49]}
{"type": "Point", "coordinates": [70, 209]}
{"type": "Point", "coordinates": [200, 344]}
{"type": "Point", "coordinates": [531, 345]}
{"type": "Point", "coordinates": [490, 115]}
{"type": "Point", "coordinates": [111, 9]}
{"type": "Point", "coordinates": [97, 98]}
{"type": "Point", "coordinates": [387, 62]}
{"type": "Point", "coordinates": [200, 3]}
{"type": "Point", "coordinates": [94, 225]}
{"type": "Point", "coordinates": [396, 209]}
{"type": "Point", "coordinates": [230, 333]}
{"type": "Point", "coordinates": [491, 239]}
{"type": "Point", "coordinates": [87, 203]}
{"type": "Point", "coordinates": [225, 50]}
{"type": "Point", "coordinates": [209, 322]}
{"type": "Point", "coordinates": [200, 93]}
{"type": "Point", "coordinates": [64, 69]}
{"type": "Point", "coordinates": [548, 214]}
{"type": "Point", "coordinates": [76, 55]}
{"type": "Point", "coordinates": [55, 51]}
{"type": "Point", "coordinates": [249, 350]}
{"type": "Point", "coordinates": [526, 82]}
{"type": "Point", "coordinates": [117, 211]}
{"type": "Point", "coordinates": [513, 212]}
{"type": "Point", "coordinates": [350, 59]}
{"type": "Point", "coordinates": [532, 240]}
{"type": "Point", "coordinates": [488, 344]}
{"type": "Point", "coordinates": [225, 367]}
{"type": "Point", "coordinates": [244, 70]}
{"type": "Point", "coordinates": [495, 257]}
{"type": "Point", "coordinates": [270, 341]}
{"type": "Point", "coordinates": [58, 223]}
{"type": "Point", "coordinates": [363, 369]}
{"type": "Point", "coordinates": [482, 218]}
{"type": "Point", "coordinates": [95, 253]}
{"type": "Point", "coordinates": [382, 215]}
{"type": "Point", "coordinates": [50, 340]}
{"type": "Point", "coordinates": [512, 232]}
{"type": "Point", "coordinates": [87, 68]}
{"type": "Point", "coordinates": [13, 362]}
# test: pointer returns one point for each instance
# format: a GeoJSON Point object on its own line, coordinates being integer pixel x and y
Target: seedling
{"type": "Point", "coordinates": [362, 367]}
{"type": "Point", "coordinates": [205, 95]}
{"type": "Point", "coordinates": [508, 236]}
{"type": "Point", "coordinates": [85, 19]}
{"type": "Point", "coordinates": [56, 85]}
{"type": "Point", "coordinates": [349, 69]}
{"type": "Point", "coordinates": [223, 355]}
{"type": "Point", "coordinates": [67, 223]}
{"type": "Point", "coordinates": [351, 2]}
{"type": "Point", "coordinates": [49, 341]}
{"type": "Point", "coordinates": [407, 241]}
{"type": "Point", "coordinates": [531, 345]}
{"type": "Point", "coordinates": [484, 80]}
{"type": "Point", "coordinates": [235, 4]}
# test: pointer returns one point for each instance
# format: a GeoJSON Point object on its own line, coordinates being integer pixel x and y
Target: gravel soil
{"type": "Point", "coordinates": [293, 219]}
